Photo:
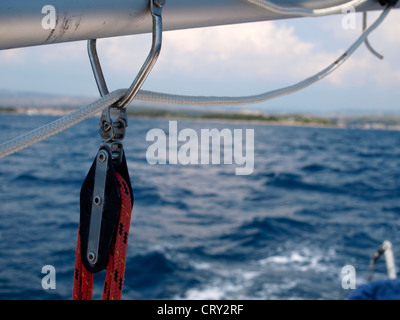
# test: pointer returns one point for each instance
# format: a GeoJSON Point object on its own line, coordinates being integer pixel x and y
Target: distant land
{"type": "Point", "coordinates": [34, 103]}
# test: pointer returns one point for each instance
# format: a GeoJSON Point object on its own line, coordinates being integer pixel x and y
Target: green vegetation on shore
{"type": "Point", "coordinates": [291, 118]}
{"type": "Point", "coordinates": [295, 119]}
{"type": "Point", "coordinates": [8, 109]}
{"type": "Point", "coordinates": [300, 119]}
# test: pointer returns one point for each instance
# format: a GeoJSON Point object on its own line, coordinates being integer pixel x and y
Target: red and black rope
{"type": "Point", "coordinates": [115, 272]}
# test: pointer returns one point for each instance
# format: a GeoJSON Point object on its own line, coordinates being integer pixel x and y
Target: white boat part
{"type": "Point", "coordinates": [21, 20]}
{"type": "Point", "coordinates": [387, 250]}
{"type": "Point", "coordinates": [389, 258]}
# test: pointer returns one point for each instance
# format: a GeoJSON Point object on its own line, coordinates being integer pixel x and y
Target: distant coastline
{"type": "Point", "coordinates": [383, 122]}
{"type": "Point", "coordinates": [242, 117]}
{"type": "Point", "coordinates": [289, 119]}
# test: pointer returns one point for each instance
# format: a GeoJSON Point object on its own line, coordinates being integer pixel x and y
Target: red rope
{"type": "Point", "coordinates": [83, 279]}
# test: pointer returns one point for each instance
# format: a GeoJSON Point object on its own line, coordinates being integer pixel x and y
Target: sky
{"type": "Point", "coordinates": [240, 59]}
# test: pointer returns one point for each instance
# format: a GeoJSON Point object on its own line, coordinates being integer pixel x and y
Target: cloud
{"type": "Point", "coordinates": [65, 52]}
{"type": "Point", "coordinates": [244, 50]}
{"type": "Point", "coordinates": [70, 52]}
{"type": "Point", "coordinates": [265, 50]}
{"type": "Point", "coordinates": [363, 67]}
{"type": "Point", "coordinates": [13, 55]}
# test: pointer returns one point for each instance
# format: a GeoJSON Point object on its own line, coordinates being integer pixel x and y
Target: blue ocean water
{"type": "Point", "coordinates": [318, 199]}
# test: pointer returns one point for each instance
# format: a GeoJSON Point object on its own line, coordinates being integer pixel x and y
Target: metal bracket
{"type": "Point", "coordinates": [100, 202]}
{"type": "Point", "coordinates": [156, 10]}
{"type": "Point", "coordinates": [113, 130]}
{"type": "Point", "coordinates": [366, 41]}
{"type": "Point", "coordinates": [97, 206]}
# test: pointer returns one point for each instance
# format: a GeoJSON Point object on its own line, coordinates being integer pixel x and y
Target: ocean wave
{"type": "Point", "coordinates": [317, 200]}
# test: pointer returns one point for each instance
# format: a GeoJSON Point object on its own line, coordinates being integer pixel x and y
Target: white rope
{"type": "Point", "coordinates": [306, 12]}
{"type": "Point", "coordinates": [59, 125]}
{"type": "Point", "coordinates": [75, 117]}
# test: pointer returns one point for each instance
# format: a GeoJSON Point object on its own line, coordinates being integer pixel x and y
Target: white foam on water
{"type": "Point", "coordinates": [228, 282]}
{"type": "Point", "coordinates": [271, 278]}
{"type": "Point", "coordinates": [201, 265]}
{"type": "Point", "coordinates": [303, 259]}
{"type": "Point", "coordinates": [234, 289]}
{"type": "Point", "coordinates": [217, 291]}
{"type": "Point", "coordinates": [272, 290]}
{"type": "Point", "coordinates": [223, 282]}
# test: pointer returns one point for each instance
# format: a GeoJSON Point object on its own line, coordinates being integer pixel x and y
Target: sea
{"type": "Point", "coordinates": [318, 200]}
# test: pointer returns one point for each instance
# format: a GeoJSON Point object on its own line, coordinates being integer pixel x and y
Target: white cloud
{"type": "Point", "coordinates": [264, 50]}
{"type": "Point", "coordinates": [65, 52]}
{"type": "Point", "coordinates": [13, 55]}
{"type": "Point", "coordinates": [363, 67]}
{"type": "Point", "coordinates": [47, 54]}
{"type": "Point", "coordinates": [245, 50]}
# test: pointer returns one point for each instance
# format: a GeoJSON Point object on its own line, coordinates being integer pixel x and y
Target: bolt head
{"type": "Point", "coordinates": [102, 156]}
{"type": "Point", "coordinates": [97, 200]}
{"type": "Point", "coordinates": [91, 256]}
